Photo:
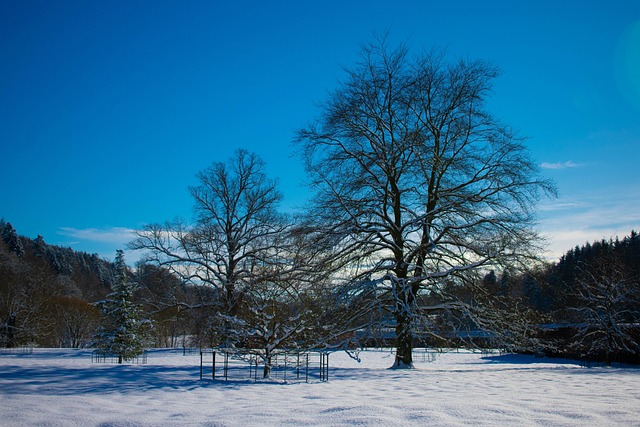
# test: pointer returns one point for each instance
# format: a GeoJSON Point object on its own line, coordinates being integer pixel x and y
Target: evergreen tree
{"type": "Point", "coordinates": [490, 282]}
{"type": "Point", "coordinates": [504, 285]}
{"type": "Point", "coordinates": [39, 247]}
{"type": "Point", "coordinates": [12, 240]}
{"type": "Point", "coordinates": [124, 331]}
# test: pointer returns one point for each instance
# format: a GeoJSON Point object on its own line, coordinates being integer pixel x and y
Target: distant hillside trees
{"type": "Point", "coordinates": [73, 321]}
{"type": "Point", "coordinates": [46, 291]}
{"type": "Point", "coordinates": [11, 238]}
{"type": "Point", "coordinates": [26, 287]}
{"type": "Point", "coordinates": [586, 305]}
{"type": "Point", "coordinates": [601, 282]}
{"type": "Point", "coordinates": [23, 300]}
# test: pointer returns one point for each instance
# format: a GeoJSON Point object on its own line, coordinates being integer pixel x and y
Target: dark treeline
{"type": "Point", "coordinates": [48, 295]}
{"type": "Point", "coordinates": [585, 305]}
{"type": "Point", "coordinates": [45, 291]}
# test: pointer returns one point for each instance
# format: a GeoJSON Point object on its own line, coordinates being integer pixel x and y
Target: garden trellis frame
{"type": "Point", "coordinates": [288, 365]}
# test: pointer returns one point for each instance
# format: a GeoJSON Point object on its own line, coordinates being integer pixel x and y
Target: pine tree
{"type": "Point", "coordinates": [124, 331]}
{"type": "Point", "coordinates": [11, 238]}
{"type": "Point", "coordinates": [39, 247]}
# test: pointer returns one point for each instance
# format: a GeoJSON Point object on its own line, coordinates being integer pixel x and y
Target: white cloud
{"type": "Point", "coordinates": [101, 241]}
{"type": "Point", "coordinates": [570, 223]}
{"type": "Point", "coordinates": [560, 205]}
{"type": "Point", "coordinates": [570, 164]}
{"type": "Point", "coordinates": [113, 235]}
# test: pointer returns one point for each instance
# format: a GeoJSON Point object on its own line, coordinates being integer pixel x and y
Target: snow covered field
{"type": "Point", "coordinates": [58, 387]}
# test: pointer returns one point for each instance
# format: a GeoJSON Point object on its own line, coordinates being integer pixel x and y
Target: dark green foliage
{"type": "Point", "coordinates": [591, 300]}
{"type": "Point", "coordinates": [11, 239]}
{"type": "Point", "coordinates": [124, 331]}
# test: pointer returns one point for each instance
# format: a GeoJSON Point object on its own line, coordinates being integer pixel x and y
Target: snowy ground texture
{"type": "Point", "coordinates": [57, 387]}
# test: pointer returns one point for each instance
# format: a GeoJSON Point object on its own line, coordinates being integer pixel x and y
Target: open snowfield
{"type": "Point", "coordinates": [58, 387]}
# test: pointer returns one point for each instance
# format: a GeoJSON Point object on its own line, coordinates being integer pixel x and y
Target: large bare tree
{"type": "Point", "coordinates": [235, 219]}
{"type": "Point", "coordinates": [416, 182]}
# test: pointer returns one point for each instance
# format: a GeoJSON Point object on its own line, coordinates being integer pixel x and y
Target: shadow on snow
{"type": "Point", "coordinates": [48, 379]}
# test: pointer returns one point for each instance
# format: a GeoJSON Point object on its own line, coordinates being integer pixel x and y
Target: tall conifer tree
{"type": "Point", "coordinates": [124, 332]}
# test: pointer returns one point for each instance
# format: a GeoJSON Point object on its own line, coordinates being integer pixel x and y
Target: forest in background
{"type": "Point", "coordinates": [585, 305]}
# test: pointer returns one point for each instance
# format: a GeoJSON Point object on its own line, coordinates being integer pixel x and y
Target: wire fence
{"type": "Point", "coordinates": [23, 349]}
{"type": "Point", "coordinates": [98, 356]}
{"type": "Point", "coordinates": [424, 355]}
{"type": "Point", "coordinates": [285, 366]}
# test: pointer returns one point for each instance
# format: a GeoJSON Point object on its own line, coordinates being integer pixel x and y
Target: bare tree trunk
{"type": "Point", "coordinates": [11, 333]}
{"type": "Point", "coordinates": [266, 373]}
{"type": "Point", "coordinates": [404, 340]}
{"type": "Point", "coordinates": [404, 316]}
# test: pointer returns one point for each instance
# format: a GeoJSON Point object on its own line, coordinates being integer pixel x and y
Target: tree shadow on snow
{"type": "Point", "coordinates": [552, 362]}
{"type": "Point", "coordinates": [525, 359]}
{"type": "Point", "coordinates": [95, 379]}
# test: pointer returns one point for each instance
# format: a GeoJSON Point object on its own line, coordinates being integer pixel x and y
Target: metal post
{"type": "Point", "coordinates": [285, 366]}
{"type": "Point", "coordinates": [273, 361]}
{"type": "Point", "coordinates": [226, 365]}
{"type": "Point", "coordinates": [213, 366]}
{"type": "Point", "coordinates": [200, 364]}
{"type": "Point", "coordinates": [327, 376]}
{"type": "Point", "coordinates": [324, 366]}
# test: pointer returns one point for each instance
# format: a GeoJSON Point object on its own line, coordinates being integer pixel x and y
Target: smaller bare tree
{"type": "Point", "coordinates": [74, 321]}
{"type": "Point", "coordinates": [235, 219]}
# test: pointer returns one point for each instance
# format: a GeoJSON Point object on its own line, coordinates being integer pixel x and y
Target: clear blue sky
{"type": "Point", "coordinates": [109, 108]}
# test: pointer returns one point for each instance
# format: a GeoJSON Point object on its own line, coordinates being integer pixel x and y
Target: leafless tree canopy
{"type": "Point", "coordinates": [236, 216]}
{"type": "Point", "coordinates": [608, 296]}
{"type": "Point", "coordinates": [264, 272]}
{"type": "Point", "coordinates": [416, 181]}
